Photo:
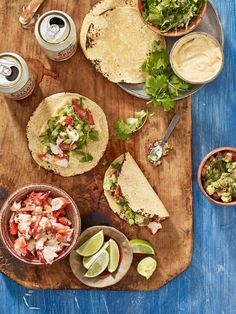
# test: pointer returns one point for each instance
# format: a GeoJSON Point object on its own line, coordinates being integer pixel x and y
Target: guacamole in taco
{"type": "Point", "coordinates": [130, 195]}
{"type": "Point", "coordinates": [67, 134]}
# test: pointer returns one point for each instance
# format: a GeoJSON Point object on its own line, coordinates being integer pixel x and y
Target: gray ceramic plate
{"type": "Point", "coordinates": [109, 279]}
{"type": "Point", "coordinates": [210, 24]}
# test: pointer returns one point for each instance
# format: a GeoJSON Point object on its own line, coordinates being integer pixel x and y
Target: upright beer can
{"type": "Point", "coordinates": [56, 33]}
{"type": "Point", "coordinates": [16, 79]}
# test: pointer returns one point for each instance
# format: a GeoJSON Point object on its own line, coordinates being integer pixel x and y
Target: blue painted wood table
{"type": "Point", "coordinates": [209, 284]}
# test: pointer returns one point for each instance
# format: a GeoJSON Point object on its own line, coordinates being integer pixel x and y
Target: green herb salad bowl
{"type": "Point", "coordinates": [176, 32]}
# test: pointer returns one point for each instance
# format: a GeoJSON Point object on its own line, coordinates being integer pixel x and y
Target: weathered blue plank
{"type": "Point", "coordinates": [209, 285]}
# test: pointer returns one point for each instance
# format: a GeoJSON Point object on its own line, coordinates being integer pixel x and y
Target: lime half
{"type": "Point", "coordinates": [146, 267]}
{"type": "Point", "coordinates": [114, 255]}
{"type": "Point", "coordinates": [88, 261]}
{"type": "Point", "coordinates": [92, 245]}
{"type": "Point", "coordinates": [141, 246]}
{"type": "Point", "coordinates": [99, 265]}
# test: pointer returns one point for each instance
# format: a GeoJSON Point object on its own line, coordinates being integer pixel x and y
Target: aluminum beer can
{"type": "Point", "coordinates": [56, 33]}
{"type": "Point", "coordinates": [16, 79]}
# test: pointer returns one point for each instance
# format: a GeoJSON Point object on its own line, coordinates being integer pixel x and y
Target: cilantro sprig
{"type": "Point", "coordinates": [171, 14]}
{"type": "Point", "coordinates": [161, 82]}
{"type": "Point", "coordinates": [125, 129]}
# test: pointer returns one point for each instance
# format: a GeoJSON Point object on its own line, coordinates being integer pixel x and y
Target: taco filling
{"type": "Point", "coordinates": [67, 133]}
{"type": "Point", "coordinates": [142, 218]}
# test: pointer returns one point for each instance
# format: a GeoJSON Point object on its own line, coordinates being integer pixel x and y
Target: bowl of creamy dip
{"type": "Point", "coordinates": [197, 58]}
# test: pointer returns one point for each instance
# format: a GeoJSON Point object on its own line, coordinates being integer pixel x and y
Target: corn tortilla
{"type": "Point", "coordinates": [116, 40]}
{"type": "Point", "coordinates": [38, 123]}
{"type": "Point", "coordinates": [136, 189]}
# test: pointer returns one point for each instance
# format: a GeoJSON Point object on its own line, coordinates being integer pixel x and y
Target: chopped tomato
{"type": "Point", "coordinates": [64, 146]}
{"type": "Point", "coordinates": [79, 111]}
{"type": "Point", "coordinates": [59, 213]}
{"type": "Point", "coordinates": [69, 120]}
{"type": "Point", "coordinates": [13, 227]}
{"type": "Point", "coordinates": [56, 213]}
{"type": "Point", "coordinates": [90, 118]}
{"type": "Point", "coordinates": [41, 156]}
{"type": "Point", "coordinates": [72, 146]}
{"type": "Point", "coordinates": [64, 156]}
{"type": "Point", "coordinates": [62, 212]}
{"type": "Point", "coordinates": [117, 191]}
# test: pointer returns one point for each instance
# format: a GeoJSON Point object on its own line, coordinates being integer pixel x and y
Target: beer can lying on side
{"type": "Point", "coordinates": [16, 79]}
{"type": "Point", "coordinates": [56, 33]}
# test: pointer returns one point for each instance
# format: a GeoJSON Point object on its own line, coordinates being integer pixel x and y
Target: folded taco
{"type": "Point", "coordinates": [68, 134]}
{"type": "Point", "coordinates": [130, 195]}
{"type": "Point", "coordinates": [116, 40]}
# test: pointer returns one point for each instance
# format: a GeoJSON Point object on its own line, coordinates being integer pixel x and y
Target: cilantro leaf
{"type": "Point", "coordinates": [171, 14]}
{"type": "Point", "coordinates": [116, 166]}
{"type": "Point", "coordinates": [93, 135]}
{"type": "Point", "coordinates": [85, 157]}
{"type": "Point", "coordinates": [161, 82]}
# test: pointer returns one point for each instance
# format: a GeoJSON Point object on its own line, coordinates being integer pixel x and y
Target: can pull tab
{"type": "Point", "coordinates": [5, 70]}
{"type": "Point", "coordinates": [52, 31]}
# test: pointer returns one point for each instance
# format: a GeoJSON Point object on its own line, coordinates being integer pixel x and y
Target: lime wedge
{"type": "Point", "coordinates": [141, 246]}
{"type": "Point", "coordinates": [92, 245]}
{"type": "Point", "coordinates": [146, 267]}
{"type": "Point", "coordinates": [114, 254]}
{"type": "Point", "coordinates": [99, 265]}
{"type": "Point", "coordinates": [88, 261]}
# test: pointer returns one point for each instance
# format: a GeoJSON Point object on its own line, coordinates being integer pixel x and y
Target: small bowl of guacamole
{"type": "Point", "coordinates": [217, 176]}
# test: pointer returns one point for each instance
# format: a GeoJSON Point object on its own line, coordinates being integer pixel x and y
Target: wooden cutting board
{"type": "Point", "coordinates": [172, 180]}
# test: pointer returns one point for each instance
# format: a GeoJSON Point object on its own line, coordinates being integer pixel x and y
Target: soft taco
{"type": "Point", "coordinates": [116, 40]}
{"type": "Point", "coordinates": [130, 195]}
{"type": "Point", "coordinates": [68, 134]}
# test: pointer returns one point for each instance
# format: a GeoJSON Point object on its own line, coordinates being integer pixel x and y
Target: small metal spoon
{"type": "Point", "coordinates": [157, 151]}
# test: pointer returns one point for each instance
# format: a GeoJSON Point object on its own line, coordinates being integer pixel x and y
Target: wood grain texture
{"type": "Point", "coordinates": [173, 183]}
{"type": "Point", "coordinates": [209, 284]}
